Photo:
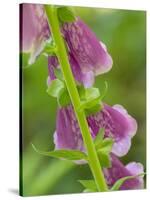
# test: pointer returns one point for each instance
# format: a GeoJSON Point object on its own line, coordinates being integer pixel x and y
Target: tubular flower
{"type": "Point", "coordinates": [67, 135]}
{"type": "Point", "coordinates": [118, 170]}
{"type": "Point", "coordinates": [115, 120]}
{"type": "Point", "coordinates": [35, 30]}
{"type": "Point", "coordinates": [86, 48]}
{"type": "Point", "coordinates": [87, 56]}
{"type": "Point", "coordinates": [118, 124]}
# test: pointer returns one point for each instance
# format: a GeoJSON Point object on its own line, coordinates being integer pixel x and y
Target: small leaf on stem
{"type": "Point", "coordinates": [63, 98]}
{"type": "Point", "coordinates": [105, 146]}
{"type": "Point", "coordinates": [63, 153]}
{"type": "Point", "coordinates": [65, 14]}
{"type": "Point", "coordinates": [89, 184]}
{"type": "Point", "coordinates": [55, 88]}
{"type": "Point", "coordinates": [99, 137]}
{"type": "Point", "coordinates": [104, 159]}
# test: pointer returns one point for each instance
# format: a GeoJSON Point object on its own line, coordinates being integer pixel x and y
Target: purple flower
{"type": "Point", "coordinates": [118, 124]}
{"type": "Point", "coordinates": [86, 48]}
{"type": "Point", "coordinates": [118, 170]}
{"type": "Point", "coordinates": [35, 29]}
{"type": "Point", "coordinates": [67, 135]}
{"type": "Point", "coordinates": [87, 79]}
{"type": "Point", "coordinates": [52, 64]}
{"type": "Point", "coordinates": [87, 55]}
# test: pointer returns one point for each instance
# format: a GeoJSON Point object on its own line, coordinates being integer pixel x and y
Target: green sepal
{"type": "Point", "coordinates": [55, 87]}
{"type": "Point", "coordinates": [105, 146]}
{"type": "Point", "coordinates": [90, 98]}
{"type": "Point", "coordinates": [64, 154]}
{"type": "Point", "coordinates": [92, 93]}
{"type": "Point", "coordinates": [120, 182]}
{"type": "Point", "coordinates": [99, 137]}
{"type": "Point", "coordinates": [65, 14]}
{"type": "Point", "coordinates": [93, 110]}
{"type": "Point", "coordinates": [58, 90]}
{"type": "Point", "coordinates": [104, 159]}
{"type": "Point", "coordinates": [81, 91]}
{"type": "Point", "coordinates": [63, 98]}
{"type": "Point", "coordinates": [89, 185]}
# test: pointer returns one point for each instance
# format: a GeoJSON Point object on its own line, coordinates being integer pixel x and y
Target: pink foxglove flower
{"type": "Point", "coordinates": [118, 124]}
{"type": "Point", "coordinates": [35, 30]}
{"type": "Point", "coordinates": [86, 48]}
{"type": "Point", "coordinates": [118, 170]}
{"type": "Point", "coordinates": [88, 56]}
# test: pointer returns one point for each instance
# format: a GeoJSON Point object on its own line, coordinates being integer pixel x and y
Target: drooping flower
{"type": "Point", "coordinates": [118, 124]}
{"type": "Point", "coordinates": [118, 170]}
{"type": "Point", "coordinates": [88, 56]}
{"type": "Point", "coordinates": [67, 135]}
{"type": "Point", "coordinates": [34, 30]}
{"type": "Point", "coordinates": [86, 48]}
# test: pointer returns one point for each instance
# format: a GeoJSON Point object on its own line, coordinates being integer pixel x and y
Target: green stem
{"type": "Point", "coordinates": [75, 98]}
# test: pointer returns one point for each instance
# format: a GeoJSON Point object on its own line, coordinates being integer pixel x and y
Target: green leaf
{"type": "Point", "coordinates": [63, 153]}
{"type": "Point", "coordinates": [92, 93]}
{"type": "Point", "coordinates": [81, 91]}
{"type": "Point", "coordinates": [92, 110]}
{"type": "Point", "coordinates": [65, 14]}
{"type": "Point", "coordinates": [89, 184]}
{"type": "Point", "coordinates": [120, 182]}
{"type": "Point", "coordinates": [90, 103]}
{"type": "Point", "coordinates": [90, 100]}
{"type": "Point", "coordinates": [105, 146]}
{"type": "Point", "coordinates": [63, 98]}
{"type": "Point", "coordinates": [58, 89]}
{"type": "Point", "coordinates": [99, 137]}
{"type": "Point", "coordinates": [104, 159]}
{"type": "Point", "coordinates": [55, 88]}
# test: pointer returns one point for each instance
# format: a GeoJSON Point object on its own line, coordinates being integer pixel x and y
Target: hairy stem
{"type": "Point", "coordinates": [94, 163]}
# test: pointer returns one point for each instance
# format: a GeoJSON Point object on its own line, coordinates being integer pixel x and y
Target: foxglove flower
{"type": "Point", "coordinates": [86, 48]}
{"type": "Point", "coordinates": [88, 56]}
{"type": "Point", "coordinates": [118, 170]}
{"type": "Point", "coordinates": [67, 135]}
{"type": "Point", "coordinates": [118, 124]}
{"type": "Point", "coordinates": [35, 30]}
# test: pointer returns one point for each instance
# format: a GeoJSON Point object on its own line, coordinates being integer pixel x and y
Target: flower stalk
{"type": "Point", "coordinates": [61, 53]}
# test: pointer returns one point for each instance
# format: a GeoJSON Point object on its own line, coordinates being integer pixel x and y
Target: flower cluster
{"type": "Point", "coordinates": [88, 58]}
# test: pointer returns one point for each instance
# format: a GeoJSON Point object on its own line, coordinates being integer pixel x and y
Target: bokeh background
{"type": "Point", "coordinates": [124, 33]}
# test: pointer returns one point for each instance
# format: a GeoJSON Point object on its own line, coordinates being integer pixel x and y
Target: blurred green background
{"type": "Point", "coordinates": [124, 33]}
